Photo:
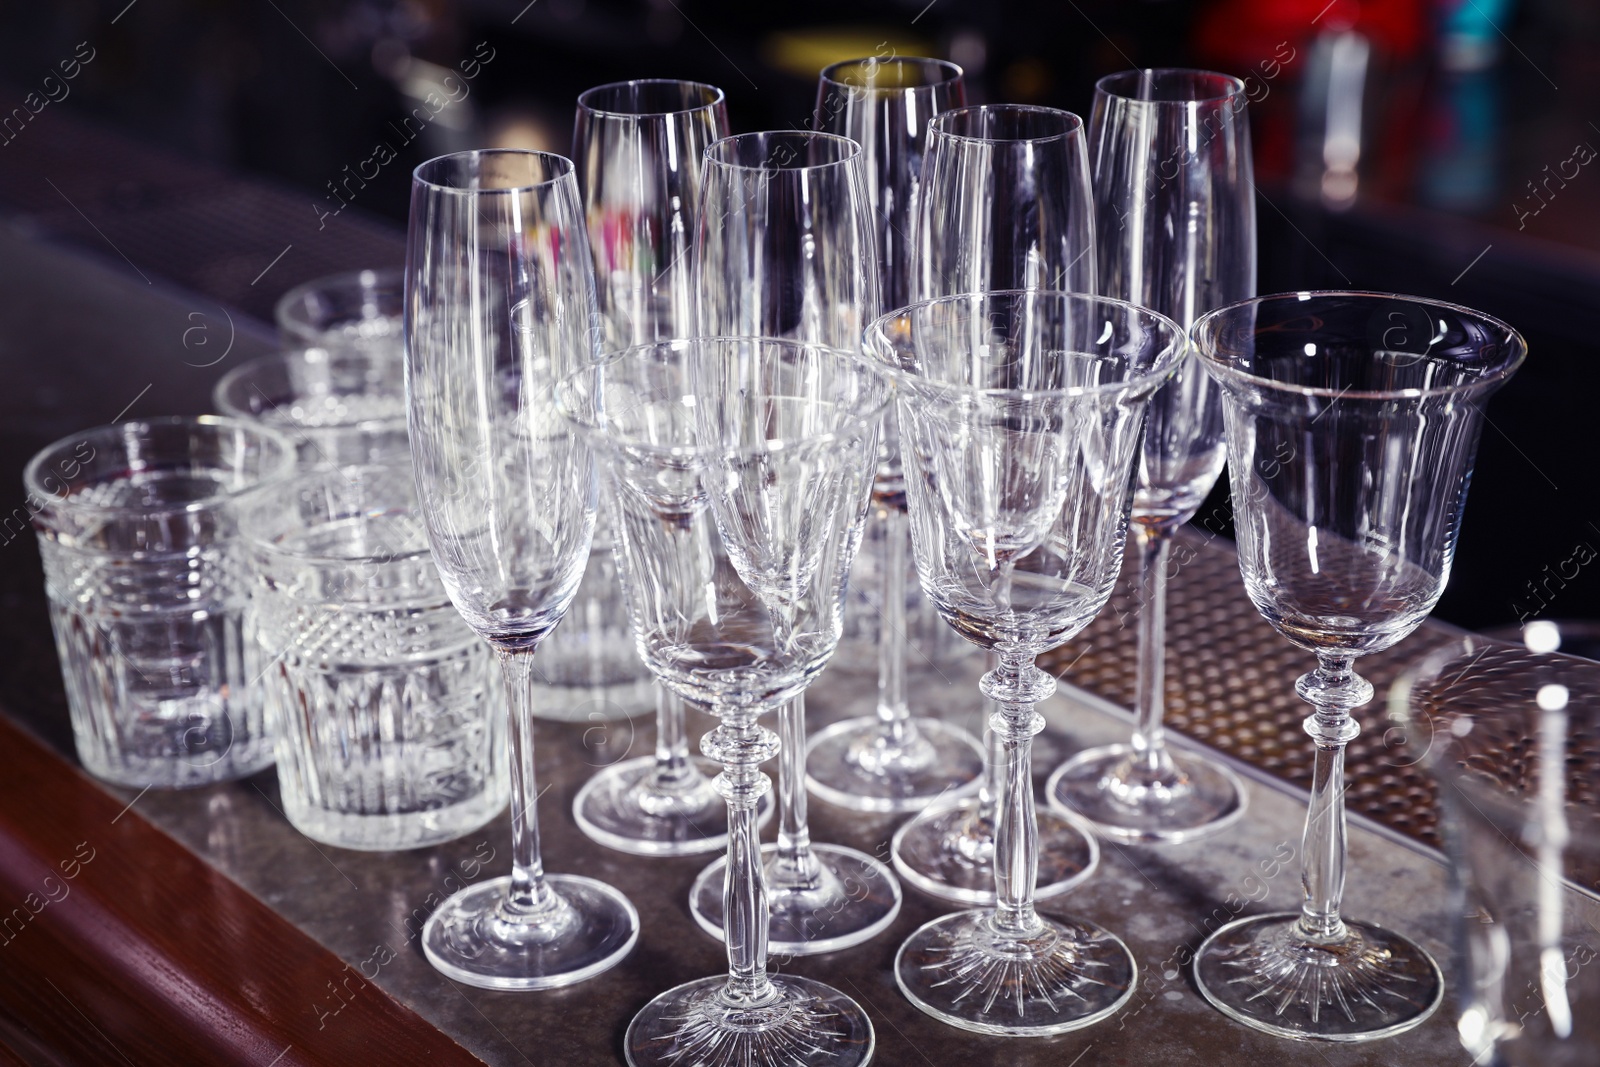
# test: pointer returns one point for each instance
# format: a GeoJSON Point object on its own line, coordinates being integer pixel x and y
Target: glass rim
{"type": "Point", "coordinates": [282, 467]}
{"type": "Point", "coordinates": [843, 356]}
{"type": "Point", "coordinates": [877, 338]}
{"type": "Point", "coordinates": [717, 98]}
{"type": "Point", "coordinates": [299, 481]}
{"type": "Point", "coordinates": [1235, 85]}
{"type": "Point", "coordinates": [850, 149]}
{"type": "Point", "coordinates": [345, 280]}
{"type": "Point", "coordinates": [286, 357]}
{"type": "Point", "coordinates": [937, 123]}
{"type": "Point", "coordinates": [561, 167]}
{"type": "Point", "coordinates": [952, 73]}
{"type": "Point", "coordinates": [1232, 372]}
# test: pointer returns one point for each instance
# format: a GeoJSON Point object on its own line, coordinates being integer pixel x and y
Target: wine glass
{"type": "Point", "coordinates": [1021, 413]}
{"type": "Point", "coordinates": [785, 250]}
{"type": "Point", "coordinates": [1175, 219]}
{"type": "Point", "coordinates": [638, 145]}
{"type": "Point", "coordinates": [1005, 203]}
{"type": "Point", "coordinates": [1352, 422]}
{"type": "Point", "coordinates": [890, 761]}
{"type": "Point", "coordinates": [499, 308]}
{"type": "Point", "coordinates": [739, 470]}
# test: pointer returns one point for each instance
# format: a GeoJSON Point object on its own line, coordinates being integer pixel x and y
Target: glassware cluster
{"type": "Point", "coordinates": [690, 366]}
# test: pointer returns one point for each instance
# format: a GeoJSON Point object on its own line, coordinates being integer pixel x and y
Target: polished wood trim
{"type": "Point", "coordinates": [119, 946]}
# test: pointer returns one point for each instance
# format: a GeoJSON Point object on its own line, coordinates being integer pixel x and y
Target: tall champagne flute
{"type": "Point", "coordinates": [638, 145]}
{"type": "Point", "coordinates": [890, 761]}
{"type": "Point", "coordinates": [1352, 423]}
{"type": "Point", "coordinates": [785, 250]}
{"type": "Point", "coordinates": [1004, 203]}
{"type": "Point", "coordinates": [740, 470]}
{"type": "Point", "coordinates": [499, 308]}
{"type": "Point", "coordinates": [1021, 413]}
{"type": "Point", "coordinates": [1175, 220]}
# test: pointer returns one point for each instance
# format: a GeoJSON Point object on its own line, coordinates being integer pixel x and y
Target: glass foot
{"type": "Point", "coordinates": [948, 853]}
{"type": "Point", "coordinates": [587, 928]}
{"type": "Point", "coordinates": [1372, 984]}
{"type": "Point", "coordinates": [853, 764]}
{"type": "Point", "coordinates": [620, 808]}
{"type": "Point", "coordinates": [803, 1024]}
{"type": "Point", "coordinates": [1068, 974]}
{"type": "Point", "coordinates": [854, 899]}
{"type": "Point", "coordinates": [1103, 785]}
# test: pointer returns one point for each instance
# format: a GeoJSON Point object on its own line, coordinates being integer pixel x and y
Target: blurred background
{"type": "Point", "coordinates": [1445, 148]}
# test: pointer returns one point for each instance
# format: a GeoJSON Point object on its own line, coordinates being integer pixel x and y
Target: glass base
{"type": "Point", "coordinates": [854, 765]}
{"type": "Point", "coordinates": [133, 770]}
{"type": "Point", "coordinates": [590, 928]}
{"type": "Point", "coordinates": [1067, 975]}
{"type": "Point", "coordinates": [391, 833]}
{"type": "Point", "coordinates": [1103, 786]}
{"type": "Point", "coordinates": [1375, 983]}
{"type": "Point", "coordinates": [620, 808]}
{"type": "Point", "coordinates": [805, 1024]}
{"type": "Point", "coordinates": [946, 853]}
{"type": "Point", "coordinates": [855, 898]}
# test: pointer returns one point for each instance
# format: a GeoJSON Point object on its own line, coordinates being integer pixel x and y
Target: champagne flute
{"type": "Point", "coordinates": [1175, 217]}
{"type": "Point", "coordinates": [785, 250]}
{"type": "Point", "coordinates": [499, 308]}
{"type": "Point", "coordinates": [639, 146]}
{"type": "Point", "coordinates": [1004, 203]}
{"type": "Point", "coordinates": [890, 761]}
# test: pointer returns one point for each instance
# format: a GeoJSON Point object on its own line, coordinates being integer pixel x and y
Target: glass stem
{"type": "Point", "coordinates": [976, 840]}
{"type": "Point", "coordinates": [1016, 685]}
{"type": "Point", "coordinates": [1150, 756]}
{"type": "Point", "coordinates": [1333, 689]}
{"type": "Point", "coordinates": [993, 756]}
{"type": "Point", "coordinates": [796, 866]}
{"type": "Point", "coordinates": [741, 745]}
{"type": "Point", "coordinates": [673, 769]}
{"type": "Point", "coordinates": [528, 895]}
{"type": "Point", "coordinates": [892, 710]}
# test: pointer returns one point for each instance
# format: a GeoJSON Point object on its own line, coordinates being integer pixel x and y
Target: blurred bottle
{"type": "Point", "coordinates": [1469, 32]}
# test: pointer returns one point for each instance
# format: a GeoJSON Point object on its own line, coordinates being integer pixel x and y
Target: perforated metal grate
{"type": "Point", "coordinates": [1230, 684]}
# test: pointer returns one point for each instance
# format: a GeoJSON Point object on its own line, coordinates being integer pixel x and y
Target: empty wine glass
{"type": "Point", "coordinates": [785, 249]}
{"type": "Point", "coordinates": [1021, 414]}
{"type": "Point", "coordinates": [639, 146]}
{"type": "Point", "coordinates": [1005, 203]}
{"type": "Point", "coordinates": [739, 472]}
{"type": "Point", "coordinates": [1175, 222]}
{"type": "Point", "coordinates": [1352, 422]}
{"type": "Point", "coordinates": [499, 308]}
{"type": "Point", "coordinates": [890, 761]}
